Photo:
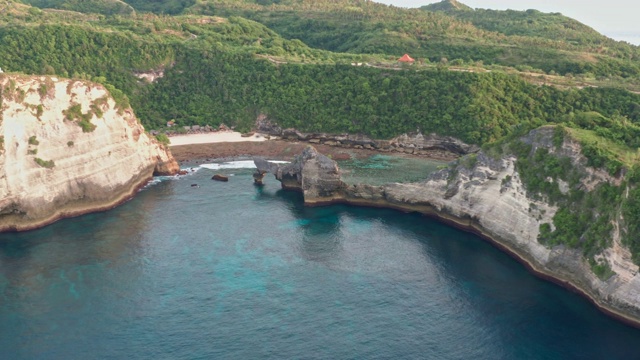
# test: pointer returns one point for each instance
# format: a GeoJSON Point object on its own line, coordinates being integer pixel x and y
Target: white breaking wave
{"type": "Point", "coordinates": [241, 164]}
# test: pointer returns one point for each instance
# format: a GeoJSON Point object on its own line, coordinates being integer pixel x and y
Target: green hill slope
{"type": "Point", "coordinates": [367, 27]}
{"type": "Point", "coordinates": [530, 23]}
{"type": "Point", "coordinates": [106, 7]}
{"type": "Point", "coordinates": [230, 70]}
{"type": "Point", "coordinates": [447, 5]}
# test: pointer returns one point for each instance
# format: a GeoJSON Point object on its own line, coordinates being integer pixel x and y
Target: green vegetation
{"type": "Point", "coordinates": [230, 70]}
{"type": "Point", "coordinates": [1, 143]}
{"type": "Point", "coordinates": [70, 143]}
{"type": "Point", "coordinates": [33, 140]}
{"type": "Point", "coordinates": [601, 268]}
{"type": "Point", "coordinates": [161, 6]}
{"type": "Point", "coordinates": [586, 213]}
{"type": "Point", "coordinates": [447, 5]}
{"type": "Point", "coordinates": [585, 217]}
{"type": "Point", "coordinates": [42, 90]}
{"type": "Point", "coordinates": [163, 139]}
{"type": "Point", "coordinates": [550, 42]}
{"type": "Point", "coordinates": [39, 111]}
{"type": "Point", "coordinates": [32, 151]}
{"type": "Point", "coordinates": [106, 7]}
{"type": "Point", "coordinates": [74, 113]}
{"type": "Point", "coordinates": [49, 164]}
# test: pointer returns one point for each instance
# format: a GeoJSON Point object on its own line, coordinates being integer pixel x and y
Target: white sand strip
{"type": "Point", "coordinates": [213, 137]}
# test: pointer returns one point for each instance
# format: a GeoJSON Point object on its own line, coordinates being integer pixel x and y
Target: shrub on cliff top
{"type": "Point", "coordinates": [74, 113]}
{"type": "Point", "coordinates": [49, 164]}
{"type": "Point", "coordinates": [86, 125]}
{"type": "Point", "coordinates": [163, 139]}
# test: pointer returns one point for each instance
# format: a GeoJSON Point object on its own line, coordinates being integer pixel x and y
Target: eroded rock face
{"type": "Point", "coordinates": [313, 174]}
{"type": "Point", "coordinates": [445, 147]}
{"type": "Point", "coordinates": [50, 168]}
{"type": "Point", "coordinates": [434, 142]}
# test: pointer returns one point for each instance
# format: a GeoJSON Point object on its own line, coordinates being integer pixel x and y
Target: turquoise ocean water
{"type": "Point", "coordinates": [231, 271]}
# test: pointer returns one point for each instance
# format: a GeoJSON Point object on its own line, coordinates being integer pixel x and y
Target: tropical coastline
{"type": "Point", "coordinates": [219, 149]}
{"type": "Point", "coordinates": [316, 177]}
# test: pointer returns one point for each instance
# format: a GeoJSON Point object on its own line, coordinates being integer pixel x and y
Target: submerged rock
{"type": "Point", "coordinates": [258, 177]}
{"type": "Point", "coordinates": [218, 177]}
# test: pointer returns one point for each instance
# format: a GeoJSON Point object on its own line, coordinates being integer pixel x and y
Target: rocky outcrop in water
{"type": "Point", "coordinates": [487, 196]}
{"type": "Point", "coordinates": [313, 174]}
{"type": "Point", "coordinates": [67, 148]}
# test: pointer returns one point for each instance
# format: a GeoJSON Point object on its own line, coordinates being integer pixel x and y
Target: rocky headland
{"type": "Point", "coordinates": [67, 147]}
{"type": "Point", "coordinates": [486, 194]}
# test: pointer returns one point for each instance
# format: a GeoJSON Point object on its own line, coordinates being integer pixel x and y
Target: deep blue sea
{"type": "Point", "coordinates": [232, 271]}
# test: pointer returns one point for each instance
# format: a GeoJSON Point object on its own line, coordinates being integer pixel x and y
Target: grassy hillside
{"type": "Point", "coordinates": [549, 42]}
{"type": "Point", "coordinates": [106, 7]}
{"type": "Point", "coordinates": [230, 70]}
{"type": "Point", "coordinates": [447, 5]}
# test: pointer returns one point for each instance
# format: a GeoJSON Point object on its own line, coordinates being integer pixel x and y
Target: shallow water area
{"type": "Point", "coordinates": [381, 169]}
{"type": "Point", "coordinates": [229, 270]}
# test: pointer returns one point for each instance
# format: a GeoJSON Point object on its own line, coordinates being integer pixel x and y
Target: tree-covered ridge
{"type": "Point", "coordinates": [171, 7]}
{"type": "Point", "coordinates": [367, 27]}
{"type": "Point", "coordinates": [231, 70]}
{"type": "Point", "coordinates": [447, 5]}
{"type": "Point", "coordinates": [531, 23]}
{"type": "Point", "coordinates": [477, 108]}
{"type": "Point", "coordinates": [72, 44]}
{"type": "Point", "coordinates": [106, 7]}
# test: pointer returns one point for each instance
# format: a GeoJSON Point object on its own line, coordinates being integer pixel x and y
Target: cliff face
{"type": "Point", "coordinates": [431, 145]}
{"type": "Point", "coordinates": [488, 196]}
{"type": "Point", "coordinates": [67, 148]}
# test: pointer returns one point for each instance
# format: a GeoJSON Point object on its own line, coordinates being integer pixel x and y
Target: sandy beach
{"type": "Point", "coordinates": [213, 137]}
{"type": "Point", "coordinates": [229, 144]}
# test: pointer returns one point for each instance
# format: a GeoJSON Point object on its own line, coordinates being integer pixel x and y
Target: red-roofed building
{"type": "Point", "coordinates": [406, 59]}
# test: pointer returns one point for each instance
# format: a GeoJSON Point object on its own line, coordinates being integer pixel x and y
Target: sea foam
{"type": "Point", "coordinates": [240, 164]}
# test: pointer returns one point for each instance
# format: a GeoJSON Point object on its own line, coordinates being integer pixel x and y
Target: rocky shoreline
{"type": "Point", "coordinates": [488, 200]}
{"type": "Point", "coordinates": [283, 150]}
{"type": "Point", "coordinates": [79, 208]}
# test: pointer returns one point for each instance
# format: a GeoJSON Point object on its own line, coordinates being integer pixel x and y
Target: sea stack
{"type": "Point", "coordinates": [314, 174]}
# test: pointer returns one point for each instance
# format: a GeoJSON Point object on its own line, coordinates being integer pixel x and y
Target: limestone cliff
{"type": "Point", "coordinates": [487, 195]}
{"type": "Point", "coordinates": [67, 148]}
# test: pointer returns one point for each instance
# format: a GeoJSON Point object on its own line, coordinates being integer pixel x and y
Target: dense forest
{"type": "Point", "coordinates": [550, 42]}
{"type": "Point", "coordinates": [230, 70]}
{"type": "Point", "coordinates": [330, 66]}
